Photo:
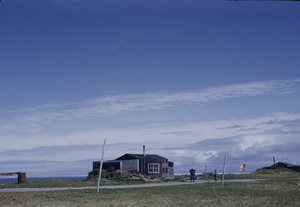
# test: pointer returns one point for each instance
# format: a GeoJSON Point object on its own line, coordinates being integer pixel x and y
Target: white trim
{"type": "Point", "coordinates": [155, 168]}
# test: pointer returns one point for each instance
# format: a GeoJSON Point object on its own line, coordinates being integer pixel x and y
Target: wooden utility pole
{"type": "Point", "coordinates": [211, 185]}
{"type": "Point", "coordinates": [224, 168]}
{"type": "Point", "coordinates": [144, 160]}
{"type": "Point", "coordinates": [100, 169]}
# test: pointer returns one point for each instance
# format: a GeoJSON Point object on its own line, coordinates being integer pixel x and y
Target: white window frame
{"type": "Point", "coordinates": [154, 170]}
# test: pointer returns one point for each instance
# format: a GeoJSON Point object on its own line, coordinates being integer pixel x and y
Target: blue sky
{"type": "Point", "coordinates": [191, 80]}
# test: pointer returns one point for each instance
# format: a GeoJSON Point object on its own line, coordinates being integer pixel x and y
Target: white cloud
{"type": "Point", "coordinates": [264, 132]}
{"type": "Point", "coordinates": [35, 119]}
{"type": "Point", "coordinates": [188, 143]}
{"type": "Point", "coordinates": [251, 129]}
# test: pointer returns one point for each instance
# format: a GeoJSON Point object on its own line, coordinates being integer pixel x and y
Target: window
{"type": "Point", "coordinates": [153, 168]}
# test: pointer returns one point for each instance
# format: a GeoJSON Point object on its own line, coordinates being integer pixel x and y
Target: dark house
{"type": "Point", "coordinates": [148, 164]}
{"type": "Point", "coordinates": [286, 165]}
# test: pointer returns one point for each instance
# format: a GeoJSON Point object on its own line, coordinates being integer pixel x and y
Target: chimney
{"type": "Point", "coordinates": [144, 149]}
{"type": "Point", "coordinates": [273, 160]}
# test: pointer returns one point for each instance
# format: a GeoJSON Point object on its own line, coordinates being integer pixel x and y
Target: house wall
{"type": "Point", "coordinates": [96, 165]}
{"type": "Point", "coordinates": [152, 160]}
{"type": "Point", "coordinates": [171, 172]}
{"type": "Point", "coordinates": [171, 169]}
{"type": "Point", "coordinates": [139, 164]}
{"type": "Point", "coordinates": [168, 170]}
{"type": "Point", "coordinates": [163, 166]}
{"type": "Point", "coordinates": [165, 170]}
{"type": "Point", "coordinates": [130, 165]}
{"type": "Point", "coordinates": [107, 165]}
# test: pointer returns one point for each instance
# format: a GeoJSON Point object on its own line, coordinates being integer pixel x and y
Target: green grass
{"type": "Point", "coordinates": [277, 189]}
{"type": "Point", "coordinates": [68, 183]}
{"type": "Point", "coordinates": [283, 192]}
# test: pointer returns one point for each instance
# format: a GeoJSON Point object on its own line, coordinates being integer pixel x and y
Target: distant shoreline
{"type": "Point", "coordinates": [4, 180]}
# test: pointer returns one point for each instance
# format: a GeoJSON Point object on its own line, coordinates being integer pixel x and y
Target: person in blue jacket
{"type": "Point", "coordinates": [193, 175]}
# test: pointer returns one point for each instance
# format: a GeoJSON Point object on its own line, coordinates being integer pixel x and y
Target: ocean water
{"type": "Point", "coordinates": [4, 180]}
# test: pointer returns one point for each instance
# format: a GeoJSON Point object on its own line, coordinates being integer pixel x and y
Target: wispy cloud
{"type": "Point", "coordinates": [33, 118]}
{"type": "Point", "coordinates": [189, 144]}
{"type": "Point", "coordinates": [265, 130]}
{"type": "Point", "coordinates": [252, 141]}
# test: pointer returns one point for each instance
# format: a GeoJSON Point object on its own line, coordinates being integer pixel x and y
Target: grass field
{"type": "Point", "coordinates": [278, 189]}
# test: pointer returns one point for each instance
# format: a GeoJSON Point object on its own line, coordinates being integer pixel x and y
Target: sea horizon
{"type": "Point", "coordinates": [8, 179]}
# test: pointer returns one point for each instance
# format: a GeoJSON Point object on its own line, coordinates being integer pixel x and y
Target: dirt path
{"type": "Point", "coordinates": [12, 190]}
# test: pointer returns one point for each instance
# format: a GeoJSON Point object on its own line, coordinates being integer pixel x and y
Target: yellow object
{"type": "Point", "coordinates": [243, 167]}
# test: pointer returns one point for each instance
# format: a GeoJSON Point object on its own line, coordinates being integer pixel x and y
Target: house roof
{"type": "Point", "coordinates": [282, 165]}
{"type": "Point", "coordinates": [139, 156]}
